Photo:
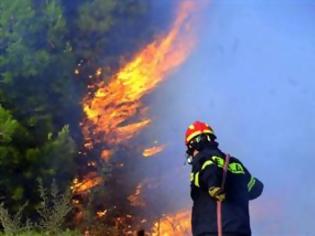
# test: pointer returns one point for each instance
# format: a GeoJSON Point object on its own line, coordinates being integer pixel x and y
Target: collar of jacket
{"type": "Point", "coordinates": [203, 154]}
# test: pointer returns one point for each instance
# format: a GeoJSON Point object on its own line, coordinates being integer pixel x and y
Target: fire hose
{"type": "Point", "coordinates": [219, 203]}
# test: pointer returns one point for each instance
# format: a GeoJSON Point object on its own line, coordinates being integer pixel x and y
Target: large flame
{"type": "Point", "coordinates": [151, 151]}
{"type": "Point", "coordinates": [109, 110]}
{"type": "Point", "coordinates": [177, 224]}
{"type": "Point", "coordinates": [89, 181]}
{"type": "Point", "coordinates": [114, 112]}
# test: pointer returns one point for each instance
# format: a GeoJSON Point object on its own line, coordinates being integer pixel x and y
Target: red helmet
{"type": "Point", "coordinates": [196, 129]}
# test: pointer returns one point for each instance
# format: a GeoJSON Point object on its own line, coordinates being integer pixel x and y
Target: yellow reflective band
{"type": "Point", "coordinates": [251, 183]}
{"type": "Point", "coordinates": [219, 161]}
{"type": "Point", "coordinates": [194, 134]}
{"type": "Point", "coordinates": [190, 137]}
{"type": "Point", "coordinates": [191, 177]}
{"type": "Point", "coordinates": [197, 179]}
{"type": "Point", "coordinates": [236, 168]}
{"type": "Point", "coordinates": [207, 132]}
{"type": "Point", "coordinates": [206, 163]}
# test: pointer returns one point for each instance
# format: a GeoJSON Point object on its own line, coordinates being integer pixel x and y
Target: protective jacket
{"type": "Point", "coordinates": [240, 187]}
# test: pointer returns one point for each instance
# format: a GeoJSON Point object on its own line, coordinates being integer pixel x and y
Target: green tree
{"type": "Point", "coordinates": [22, 164]}
{"type": "Point", "coordinates": [35, 63]}
{"type": "Point", "coordinates": [41, 46]}
{"type": "Point", "coordinates": [108, 29]}
{"type": "Point", "coordinates": [36, 83]}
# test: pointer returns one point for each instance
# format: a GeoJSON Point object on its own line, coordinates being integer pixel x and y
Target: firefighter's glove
{"type": "Point", "coordinates": [217, 194]}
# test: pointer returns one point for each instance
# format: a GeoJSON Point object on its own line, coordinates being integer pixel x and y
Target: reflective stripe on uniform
{"type": "Point", "coordinates": [191, 177]}
{"type": "Point", "coordinates": [194, 134]}
{"type": "Point", "coordinates": [251, 184]}
{"type": "Point", "coordinates": [234, 167]}
{"type": "Point", "coordinates": [219, 161]}
{"type": "Point", "coordinates": [196, 181]}
{"type": "Point", "coordinates": [206, 163]}
{"type": "Point", "coordinates": [194, 178]}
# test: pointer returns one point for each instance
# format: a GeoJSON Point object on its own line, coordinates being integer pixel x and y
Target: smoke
{"type": "Point", "coordinates": [250, 77]}
{"type": "Point", "coordinates": [116, 112]}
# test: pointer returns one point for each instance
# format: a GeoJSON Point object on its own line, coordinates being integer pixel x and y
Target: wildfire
{"type": "Point", "coordinates": [87, 183]}
{"type": "Point", "coordinates": [109, 109]}
{"type": "Point", "coordinates": [173, 225]}
{"type": "Point", "coordinates": [153, 150]}
{"type": "Point", "coordinates": [100, 214]}
{"type": "Point", "coordinates": [135, 199]}
{"type": "Point", "coordinates": [106, 154]}
{"type": "Point", "coordinates": [115, 113]}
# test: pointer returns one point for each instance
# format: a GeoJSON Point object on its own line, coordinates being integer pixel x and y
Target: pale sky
{"type": "Point", "coordinates": [251, 76]}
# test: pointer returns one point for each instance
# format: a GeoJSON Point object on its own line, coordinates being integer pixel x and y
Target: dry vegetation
{"type": "Point", "coordinates": [53, 209]}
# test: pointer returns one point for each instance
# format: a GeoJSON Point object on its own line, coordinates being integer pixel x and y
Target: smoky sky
{"type": "Point", "coordinates": [250, 76]}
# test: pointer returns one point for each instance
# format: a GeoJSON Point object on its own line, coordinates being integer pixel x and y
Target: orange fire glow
{"type": "Point", "coordinates": [109, 110]}
{"type": "Point", "coordinates": [148, 152]}
{"type": "Point", "coordinates": [106, 154]}
{"type": "Point", "coordinates": [136, 199]}
{"type": "Point", "coordinates": [101, 214]}
{"type": "Point", "coordinates": [87, 183]}
{"type": "Point", "coordinates": [173, 225]}
{"type": "Point", "coordinates": [115, 113]}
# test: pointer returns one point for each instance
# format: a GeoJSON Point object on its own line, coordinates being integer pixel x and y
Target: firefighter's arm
{"type": "Point", "coordinates": [254, 186]}
{"type": "Point", "coordinates": [210, 179]}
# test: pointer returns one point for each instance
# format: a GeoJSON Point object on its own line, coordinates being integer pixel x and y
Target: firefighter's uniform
{"type": "Point", "coordinates": [240, 187]}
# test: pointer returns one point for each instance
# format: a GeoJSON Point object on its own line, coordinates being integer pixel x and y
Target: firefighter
{"type": "Point", "coordinates": [221, 186]}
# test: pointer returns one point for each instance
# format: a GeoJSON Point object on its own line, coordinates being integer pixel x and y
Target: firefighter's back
{"type": "Point", "coordinates": [235, 212]}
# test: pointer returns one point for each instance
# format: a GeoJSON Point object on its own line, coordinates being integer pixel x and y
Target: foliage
{"type": "Point", "coordinates": [27, 163]}
{"type": "Point", "coordinates": [7, 126]}
{"type": "Point", "coordinates": [117, 21]}
{"type": "Point", "coordinates": [35, 62]}
{"type": "Point", "coordinates": [35, 79]}
{"type": "Point", "coordinates": [11, 225]}
{"type": "Point", "coordinates": [41, 44]}
{"type": "Point", "coordinates": [35, 233]}
{"type": "Point", "coordinates": [53, 208]}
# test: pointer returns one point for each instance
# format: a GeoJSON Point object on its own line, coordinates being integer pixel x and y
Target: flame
{"type": "Point", "coordinates": [101, 214]}
{"type": "Point", "coordinates": [153, 150]}
{"type": "Point", "coordinates": [177, 224]}
{"type": "Point", "coordinates": [109, 109]}
{"type": "Point", "coordinates": [87, 183]}
{"type": "Point", "coordinates": [115, 113]}
{"type": "Point", "coordinates": [106, 154]}
{"type": "Point", "coordinates": [98, 72]}
{"type": "Point", "coordinates": [136, 199]}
